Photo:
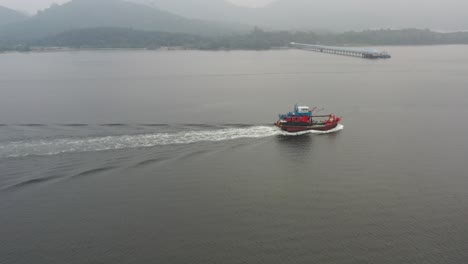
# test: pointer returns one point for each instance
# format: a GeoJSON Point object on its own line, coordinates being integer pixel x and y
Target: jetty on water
{"type": "Point", "coordinates": [355, 52]}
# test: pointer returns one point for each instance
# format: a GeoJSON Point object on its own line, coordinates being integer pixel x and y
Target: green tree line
{"type": "Point", "coordinates": [257, 39]}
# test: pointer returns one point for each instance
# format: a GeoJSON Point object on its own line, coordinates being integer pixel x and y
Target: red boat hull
{"type": "Point", "coordinates": [293, 129]}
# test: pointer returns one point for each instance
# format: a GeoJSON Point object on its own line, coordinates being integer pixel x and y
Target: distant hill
{"type": "Point", "coordinates": [366, 14]}
{"type": "Point", "coordinates": [79, 14]}
{"type": "Point", "coordinates": [8, 16]}
{"type": "Point", "coordinates": [213, 10]}
{"type": "Point", "coordinates": [332, 15]}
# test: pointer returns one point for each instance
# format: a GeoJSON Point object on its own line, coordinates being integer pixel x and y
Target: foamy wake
{"type": "Point", "coordinates": [67, 145]}
{"type": "Point", "coordinates": [336, 129]}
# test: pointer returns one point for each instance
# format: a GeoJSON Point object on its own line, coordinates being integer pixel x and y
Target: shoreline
{"type": "Point", "coordinates": [70, 49]}
{"type": "Point", "coordinates": [66, 49]}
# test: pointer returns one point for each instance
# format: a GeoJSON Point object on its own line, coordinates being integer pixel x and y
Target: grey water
{"type": "Point", "coordinates": [170, 157]}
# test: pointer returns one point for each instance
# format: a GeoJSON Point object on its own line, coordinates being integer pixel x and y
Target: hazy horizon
{"type": "Point", "coordinates": [32, 6]}
{"type": "Point", "coordinates": [440, 15]}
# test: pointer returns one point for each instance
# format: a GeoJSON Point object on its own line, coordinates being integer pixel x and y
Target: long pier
{"type": "Point", "coordinates": [355, 52]}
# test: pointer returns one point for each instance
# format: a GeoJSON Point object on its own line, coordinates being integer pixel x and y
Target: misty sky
{"type": "Point", "coordinates": [32, 6]}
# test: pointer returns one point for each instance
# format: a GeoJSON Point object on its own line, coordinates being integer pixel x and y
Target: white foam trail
{"type": "Point", "coordinates": [65, 145]}
{"type": "Point", "coordinates": [336, 129]}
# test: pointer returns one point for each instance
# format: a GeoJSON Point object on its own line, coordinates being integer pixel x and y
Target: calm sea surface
{"type": "Point", "coordinates": [170, 157]}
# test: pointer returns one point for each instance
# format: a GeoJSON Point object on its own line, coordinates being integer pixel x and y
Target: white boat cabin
{"type": "Point", "coordinates": [301, 109]}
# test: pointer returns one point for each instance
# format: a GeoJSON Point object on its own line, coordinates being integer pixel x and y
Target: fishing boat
{"type": "Point", "coordinates": [303, 119]}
